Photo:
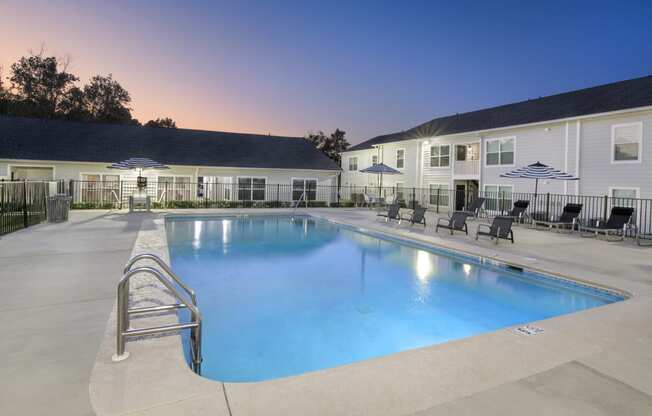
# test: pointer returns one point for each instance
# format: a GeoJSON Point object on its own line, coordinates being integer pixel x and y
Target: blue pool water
{"type": "Point", "coordinates": [280, 298]}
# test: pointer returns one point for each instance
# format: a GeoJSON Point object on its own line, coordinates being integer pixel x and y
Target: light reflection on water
{"type": "Point", "coordinates": [280, 297]}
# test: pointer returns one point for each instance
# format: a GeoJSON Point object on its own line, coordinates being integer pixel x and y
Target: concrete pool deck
{"type": "Point", "coordinates": [597, 361]}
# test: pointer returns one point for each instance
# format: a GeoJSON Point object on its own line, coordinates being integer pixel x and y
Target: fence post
{"type": "Point", "coordinates": [120, 193]}
{"type": "Point", "coordinates": [71, 190]}
{"type": "Point", "coordinates": [414, 202]}
{"type": "Point", "coordinates": [548, 206]}
{"type": "Point", "coordinates": [278, 200]}
{"type": "Point", "coordinates": [438, 190]}
{"type": "Point", "coordinates": [502, 202]}
{"type": "Point", "coordinates": [604, 208]}
{"type": "Point", "coordinates": [25, 219]}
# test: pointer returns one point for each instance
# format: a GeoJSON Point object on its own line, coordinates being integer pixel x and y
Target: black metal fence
{"type": "Point", "coordinates": [115, 194]}
{"type": "Point", "coordinates": [22, 204]}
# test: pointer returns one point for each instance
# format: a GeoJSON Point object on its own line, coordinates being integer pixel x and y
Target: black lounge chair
{"type": "Point", "coordinates": [501, 227]}
{"type": "Point", "coordinates": [418, 216]}
{"type": "Point", "coordinates": [474, 209]}
{"type": "Point", "coordinates": [568, 218]}
{"type": "Point", "coordinates": [393, 213]}
{"type": "Point", "coordinates": [457, 222]}
{"type": "Point", "coordinates": [518, 213]}
{"type": "Point", "coordinates": [616, 224]}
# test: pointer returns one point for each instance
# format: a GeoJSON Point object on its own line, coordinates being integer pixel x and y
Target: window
{"type": "Point", "coordinates": [173, 188]}
{"type": "Point", "coordinates": [251, 189]}
{"type": "Point", "coordinates": [626, 142]}
{"type": "Point", "coordinates": [100, 188]}
{"type": "Point", "coordinates": [627, 193]}
{"type": "Point", "coordinates": [625, 197]}
{"type": "Point", "coordinates": [438, 194]}
{"type": "Point", "coordinates": [499, 197]}
{"type": "Point", "coordinates": [500, 152]}
{"type": "Point", "coordinates": [400, 192]}
{"type": "Point", "coordinates": [353, 163]}
{"type": "Point", "coordinates": [374, 160]}
{"type": "Point", "coordinates": [440, 156]}
{"type": "Point", "coordinates": [400, 159]}
{"type": "Point", "coordinates": [309, 186]}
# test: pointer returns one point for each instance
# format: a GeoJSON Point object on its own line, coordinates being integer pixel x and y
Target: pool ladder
{"type": "Point", "coordinates": [296, 205]}
{"type": "Point", "coordinates": [184, 300]}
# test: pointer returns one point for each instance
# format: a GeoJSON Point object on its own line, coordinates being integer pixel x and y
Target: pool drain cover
{"type": "Point", "coordinates": [529, 330]}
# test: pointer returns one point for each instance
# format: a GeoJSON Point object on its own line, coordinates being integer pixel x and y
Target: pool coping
{"type": "Point", "coordinates": [112, 384]}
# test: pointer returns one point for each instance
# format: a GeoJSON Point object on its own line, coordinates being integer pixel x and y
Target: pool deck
{"type": "Point", "coordinates": [595, 362]}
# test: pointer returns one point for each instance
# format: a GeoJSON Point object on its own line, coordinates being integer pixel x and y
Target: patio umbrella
{"type": "Point", "coordinates": [381, 169]}
{"type": "Point", "coordinates": [538, 171]}
{"type": "Point", "coordinates": [139, 163]}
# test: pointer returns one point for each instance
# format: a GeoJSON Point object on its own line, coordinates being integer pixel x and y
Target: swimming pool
{"type": "Point", "coordinates": [281, 297]}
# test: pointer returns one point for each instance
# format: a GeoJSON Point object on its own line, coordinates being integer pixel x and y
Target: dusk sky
{"type": "Point", "coordinates": [369, 68]}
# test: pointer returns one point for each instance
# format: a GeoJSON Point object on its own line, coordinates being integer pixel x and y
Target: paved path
{"type": "Point", "coordinates": [58, 286]}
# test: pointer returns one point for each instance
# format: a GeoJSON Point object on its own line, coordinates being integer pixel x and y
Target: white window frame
{"type": "Point", "coordinates": [175, 188]}
{"type": "Point", "coordinates": [497, 185]}
{"type": "Point", "coordinates": [100, 191]}
{"type": "Point", "coordinates": [499, 139]}
{"type": "Point", "coordinates": [447, 194]}
{"type": "Point", "coordinates": [401, 186]}
{"type": "Point", "coordinates": [403, 160]}
{"type": "Point", "coordinates": [372, 160]}
{"type": "Point", "coordinates": [292, 179]}
{"type": "Point", "coordinates": [349, 164]}
{"type": "Point", "coordinates": [10, 166]}
{"type": "Point", "coordinates": [624, 188]}
{"type": "Point", "coordinates": [440, 145]}
{"type": "Point", "coordinates": [613, 143]}
{"type": "Point", "coordinates": [251, 190]}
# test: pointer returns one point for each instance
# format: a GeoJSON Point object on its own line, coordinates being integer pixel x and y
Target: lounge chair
{"type": "Point", "coordinates": [568, 218]}
{"type": "Point", "coordinates": [474, 209]}
{"type": "Point", "coordinates": [518, 213]}
{"type": "Point", "coordinates": [418, 216]}
{"type": "Point", "coordinates": [616, 224]}
{"type": "Point", "coordinates": [393, 213]}
{"type": "Point", "coordinates": [501, 227]}
{"type": "Point", "coordinates": [457, 222]}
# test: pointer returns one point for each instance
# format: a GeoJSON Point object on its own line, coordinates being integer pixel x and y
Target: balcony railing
{"type": "Point", "coordinates": [467, 168]}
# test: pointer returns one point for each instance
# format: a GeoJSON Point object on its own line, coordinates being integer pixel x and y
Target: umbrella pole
{"type": "Point", "coordinates": [536, 191]}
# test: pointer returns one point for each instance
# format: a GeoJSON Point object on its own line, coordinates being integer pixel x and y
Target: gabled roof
{"type": "Point", "coordinates": [57, 140]}
{"type": "Point", "coordinates": [621, 95]}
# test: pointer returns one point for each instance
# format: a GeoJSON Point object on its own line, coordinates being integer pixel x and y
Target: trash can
{"type": "Point", "coordinates": [58, 207]}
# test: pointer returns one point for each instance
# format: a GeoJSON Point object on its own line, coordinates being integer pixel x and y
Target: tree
{"type": "Point", "coordinates": [40, 83]}
{"type": "Point", "coordinates": [165, 122]}
{"type": "Point", "coordinates": [331, 145]}
{"type": "Point", "coordinates": [106, 101]}
{"type": "Point", "coordinates": [73, 106]}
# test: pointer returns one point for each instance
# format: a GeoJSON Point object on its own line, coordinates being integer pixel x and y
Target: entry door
{"type": "Point", "coordinates": [460, 196]}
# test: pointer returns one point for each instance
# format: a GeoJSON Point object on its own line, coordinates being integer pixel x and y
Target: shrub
{"type": "Point", "coordinates": [93, 205]}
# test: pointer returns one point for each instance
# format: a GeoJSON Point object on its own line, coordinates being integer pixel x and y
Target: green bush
{"type": "Point", "coordinates": [93, 205]}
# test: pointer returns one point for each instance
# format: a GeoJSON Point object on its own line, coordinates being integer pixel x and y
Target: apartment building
{"type": "Point", "coordinates": [601, 134]}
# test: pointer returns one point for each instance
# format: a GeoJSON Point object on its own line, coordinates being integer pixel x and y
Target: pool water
{"type": "Point", "coordinates": [281, 297]}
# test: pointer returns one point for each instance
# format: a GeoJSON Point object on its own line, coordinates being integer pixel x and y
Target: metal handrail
{"type": "Point", "coordinates": [165, 267]}
{"type": "Point", "coordinates": [124, 331]}
{"type": "Point", "coordinates": [302, 197]}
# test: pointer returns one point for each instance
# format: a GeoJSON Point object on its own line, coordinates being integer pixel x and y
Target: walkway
{"type": "Point", "coordinates": [58, 287]}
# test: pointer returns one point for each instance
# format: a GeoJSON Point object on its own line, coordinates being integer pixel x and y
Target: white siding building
{"type": "Point", "coordinates": [601, 134]}
{"type": "Point", "coordinates": [218, 165]}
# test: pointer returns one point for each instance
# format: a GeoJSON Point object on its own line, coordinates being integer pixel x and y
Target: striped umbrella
{"type": "Point", "coordinates": [381, 169]}
{"type": "Point", "coordinates": [538, 171]}
{"type": "Point", "coordinates": [138, 163]}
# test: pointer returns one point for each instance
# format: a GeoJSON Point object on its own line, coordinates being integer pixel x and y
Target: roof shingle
{"type": "Point", "coordinates": [57, 140]}
{"type": "Point", "coordinates": [616, 96]}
